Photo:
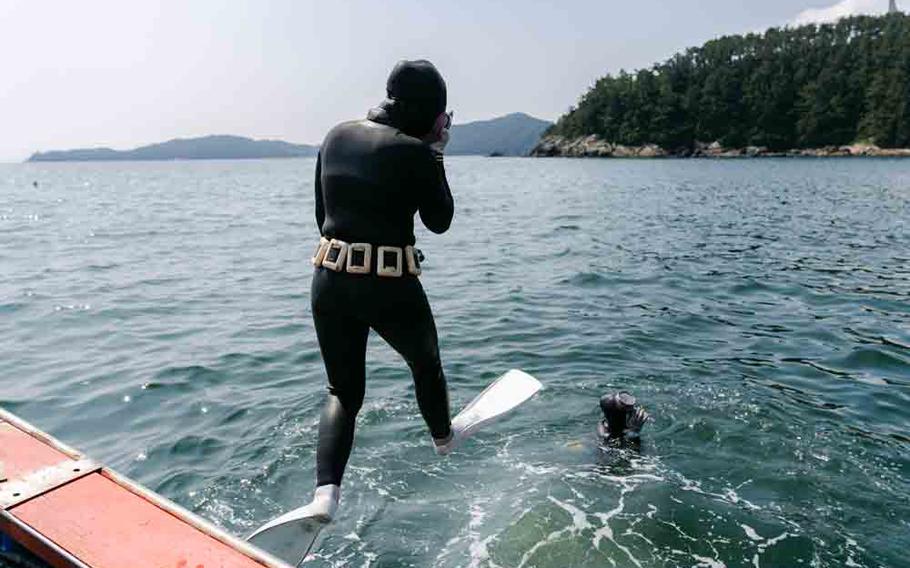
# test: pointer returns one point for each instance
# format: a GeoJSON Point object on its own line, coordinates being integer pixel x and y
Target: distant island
{"type": "Point", "coordinates": [221, 147]}
{"type": "Point", "coordinates": [511, 135]}
{"type": "Point", "coordinates": [515, 134]}
{"type": "Point", "coordinates": [839, 89]}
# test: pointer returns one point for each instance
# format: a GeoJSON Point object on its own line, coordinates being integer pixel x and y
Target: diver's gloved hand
{"type": "Point", "coordinates": [635, 421]}
{"type": "Point", "coordinates": [440, 145]}
{"type": "Point", "coordinates": [439, 135]}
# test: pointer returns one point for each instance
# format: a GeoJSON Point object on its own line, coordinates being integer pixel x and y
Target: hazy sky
{"type": "Point", "coordinates": [121, 73]}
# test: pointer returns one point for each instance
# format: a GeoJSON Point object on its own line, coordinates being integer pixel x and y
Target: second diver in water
{"type": "Point", "coordinates": [623, 418]}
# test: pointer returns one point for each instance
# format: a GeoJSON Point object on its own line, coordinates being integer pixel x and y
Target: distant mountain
{"type": "Point", "coordinates": [511, 135]}
{"type": "Point", "coordinates": [205, 148]}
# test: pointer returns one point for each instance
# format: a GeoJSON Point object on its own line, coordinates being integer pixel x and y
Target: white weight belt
{"type": "Point", "coordinates": [391, 262]}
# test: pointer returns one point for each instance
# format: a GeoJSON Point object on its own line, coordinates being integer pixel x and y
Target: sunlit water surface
{"type": "Point", "coordinates": [156, 315]}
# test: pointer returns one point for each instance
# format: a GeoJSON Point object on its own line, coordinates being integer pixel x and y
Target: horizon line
{"type": "Point", "coordinates": [5, 160]}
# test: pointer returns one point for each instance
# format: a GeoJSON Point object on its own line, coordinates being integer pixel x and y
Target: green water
{"type": "Point", "coordinates": [157, 316]}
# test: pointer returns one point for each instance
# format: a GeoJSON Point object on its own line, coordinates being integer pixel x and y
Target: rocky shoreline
{"type": "Point", "coordinates": [593, 147]}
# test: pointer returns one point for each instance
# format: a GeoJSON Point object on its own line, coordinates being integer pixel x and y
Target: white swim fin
{"type": "Point", "coordinates": [291, 536]}
{"type": "Point", "coordinates": [503, 395]}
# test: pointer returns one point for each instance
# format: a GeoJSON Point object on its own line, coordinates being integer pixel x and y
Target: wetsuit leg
{"type": "Point", "coordinates": [343, 342]}
{"type": "Point", "coordinates": [407, 324]}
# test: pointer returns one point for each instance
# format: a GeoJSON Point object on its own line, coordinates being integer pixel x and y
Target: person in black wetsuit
{"type": "Point", "coordinates": [372, 176]}
{"type": "Point", "coordinates": [623, 419]}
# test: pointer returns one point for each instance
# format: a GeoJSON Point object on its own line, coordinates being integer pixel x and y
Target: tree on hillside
{"type": "Point", "coordinates": [810, 86]}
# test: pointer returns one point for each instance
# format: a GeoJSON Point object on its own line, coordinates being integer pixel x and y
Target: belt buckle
{"type": "Point", "coordinates": [319, 255]}
{"type": "Point", "coordinates": [335, 260]}
{"type": "Point", "coordinates": [389, 270]}
{"type": "Point", "coordinates": [359, 268]}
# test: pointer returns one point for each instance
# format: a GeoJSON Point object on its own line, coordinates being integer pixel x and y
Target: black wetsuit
{"type": "Point", "coordinates": [371, 179]}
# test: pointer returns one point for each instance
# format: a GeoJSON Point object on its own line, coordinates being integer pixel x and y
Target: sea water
{"type": "Point", "coordinates": [156, 315]}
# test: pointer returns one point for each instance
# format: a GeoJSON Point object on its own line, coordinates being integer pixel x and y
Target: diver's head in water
{"type": "Point", "coordinates": [416, 96]}
{"type": "Point", "coordinates": [623, 416]}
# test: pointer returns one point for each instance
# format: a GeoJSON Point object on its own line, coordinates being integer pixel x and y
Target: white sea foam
{"type": "Point", "coordinates": [705, 562]}
{"type": "Point", "coordinates": [728, 495]}
{"type": "Point", "coordinates": [750, 532]}
{"type": "Point", "coordinates": [762, 544]}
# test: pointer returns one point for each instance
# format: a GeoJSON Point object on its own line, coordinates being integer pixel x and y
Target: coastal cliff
{"type": "Point", "coordinates": [592, 146]}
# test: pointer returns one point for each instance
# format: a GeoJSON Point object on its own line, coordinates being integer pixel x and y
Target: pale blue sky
{"type": "Point", "coordinates": [122, 73]}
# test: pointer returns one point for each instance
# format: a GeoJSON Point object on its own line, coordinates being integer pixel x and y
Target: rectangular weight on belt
{"type": "Point", "coordinates": [319, 256]}
{"type": "Point", "coordinates": [413, 259]}
{"type": "Point", "coordinates": [389, 262]}
{"type": "Point", "coordinates": [336, 255]}
{"type": "Point", "coordinates": [359, 258]}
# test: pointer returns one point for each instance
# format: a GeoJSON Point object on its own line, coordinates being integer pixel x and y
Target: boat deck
{"type": "Point", "coordinates": [74, 513]}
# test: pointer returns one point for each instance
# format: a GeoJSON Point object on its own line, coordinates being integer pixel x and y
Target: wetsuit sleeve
{"type": "Point", "coordinates": [434, 198]}
{"type": "Point", "coordinates": [320, 206]}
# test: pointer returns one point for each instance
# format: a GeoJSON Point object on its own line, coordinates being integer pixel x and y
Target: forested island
{"type": "Point", "coordinates": [831, 89]}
